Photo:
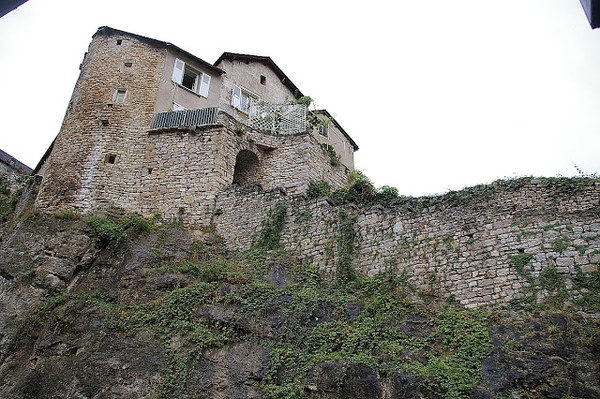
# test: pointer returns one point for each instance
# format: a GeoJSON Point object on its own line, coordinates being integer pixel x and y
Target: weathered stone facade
{"type": "Point", "coordinates": [95, 160]}
{"type": "Point", "coordinates": [467, 250]}
{"type": "Point", "coordinates": [107, 155]}
{"type": "Point", "coordinates": [186, 169]}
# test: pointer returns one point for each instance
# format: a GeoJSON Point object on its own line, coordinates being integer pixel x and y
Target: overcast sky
{"type": "Point", "coordinates": [438, 94]}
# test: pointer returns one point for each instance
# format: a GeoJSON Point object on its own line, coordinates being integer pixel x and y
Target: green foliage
{"type": "Point", "coordinates": [107, 229]}
{"type": "Point", "coordinates": [334, 158]}
{"type": "Point", "coordinates": [550, 280]}
{"type": "Point", "coordinates": [238, 129]}
{"type": "Point", "coordinates": [347, 246]}
{"type": "Point", "coordinates": [454, 341]}
{"type": "Point", "coordinates": [560, 244]}
{"type": "Point", "coordinates": [271, 228]}
{"type": "Point", "coordinates": [361, 191]}
{"type": "Point", "coordinates": [356, 175]}
{"type": "Point", "coordinates": [306, 100]}
{"type": "Point", "coordinates": [519, 261]}
{"type": "Point", "coordinates": [588, 287]}
{"type": "Point", "coordinates": [8, 201]}
{"type": "Point", "coordinates": [137, 223]}
{"type": "Point", "coordinates": [319, 188]}
{"type": "Point", "coordinates": [218, 269]}
{"type": "Point", "coordinates": [67, 214]}
{"type": "Point", "coordinates": [386, 196]}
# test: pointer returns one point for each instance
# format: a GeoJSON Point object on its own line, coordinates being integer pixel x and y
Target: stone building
{"type": "Point", "coordinates": [9, 164]}
{"type": "Point", "coordinates": [153, 128]}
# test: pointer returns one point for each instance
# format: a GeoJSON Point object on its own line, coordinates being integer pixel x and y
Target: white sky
{"type": "Point", "coordinates": [438, 94]}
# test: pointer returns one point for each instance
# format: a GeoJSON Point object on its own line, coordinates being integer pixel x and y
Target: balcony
{"type": "Point", "coordinates": [270, 118]}
{"type": "Point", "coordinates": [191, 117]}
{"type": "Point", "coordinates": [278, 118]}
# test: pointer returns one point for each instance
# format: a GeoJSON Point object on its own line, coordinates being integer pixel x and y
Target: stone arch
{"type": "Point", "coordinates": [246, 168]}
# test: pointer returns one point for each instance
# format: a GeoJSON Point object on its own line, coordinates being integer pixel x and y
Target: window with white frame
{"type": "Point", "coordinates": [242, 100]}
{"type": "Point", "coordinates": [198, 82]}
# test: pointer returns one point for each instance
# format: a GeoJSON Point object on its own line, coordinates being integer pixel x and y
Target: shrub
{"type": "Point", "coordinates": [106, 229]}
{"type": "Point", "coordinates": [319, 188]}
{"type": "Point", "coordinates": [334, 158]}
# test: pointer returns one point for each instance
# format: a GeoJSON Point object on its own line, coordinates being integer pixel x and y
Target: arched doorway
{"type": "Point", "coordinates": [246, 168]}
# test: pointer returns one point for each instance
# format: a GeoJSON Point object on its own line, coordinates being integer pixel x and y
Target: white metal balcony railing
{"type": "Point", "coordinates": [278, 118]}
{"type": "Point", "coordinates": [273, 118]}
{"type": "Point", "coordinates": [191, 117]}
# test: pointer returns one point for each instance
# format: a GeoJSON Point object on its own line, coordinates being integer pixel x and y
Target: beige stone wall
{"type": "Point", "coordinates": [463, 248]}
{"type": "Point", "coordinates": [78, 173]}
{"type": "Point", "coordinates": [184, 170]}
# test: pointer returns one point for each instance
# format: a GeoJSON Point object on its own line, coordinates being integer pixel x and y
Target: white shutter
{"type": "Point", "coordinates": [252, 107]}
{"type": "Point", "coordinates": [178, 71]}
{"type": "Point", "coordinates": [204, 85]}
{"type": "Point", "coordinates": [236, 97]}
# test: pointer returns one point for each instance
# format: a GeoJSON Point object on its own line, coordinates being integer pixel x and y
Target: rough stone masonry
{"type": "Point", "coordinates": [468, 248]}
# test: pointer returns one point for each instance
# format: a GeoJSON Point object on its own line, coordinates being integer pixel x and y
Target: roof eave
{"type": "Point", "coordinates": [338, 126]}
{"type": "Point", "coordinates": [107, 30]}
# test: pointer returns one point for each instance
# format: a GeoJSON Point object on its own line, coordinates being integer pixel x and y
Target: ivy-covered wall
{"type": "Point", "coordinates": [509, 242]}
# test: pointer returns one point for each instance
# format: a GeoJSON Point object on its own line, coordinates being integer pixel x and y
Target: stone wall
{"type": "Point", "coordinates": [184, 169]}
{"type": "Point", "coordinates": [96, 158]}
{"type": "Point", "coordinates": [468, 246]}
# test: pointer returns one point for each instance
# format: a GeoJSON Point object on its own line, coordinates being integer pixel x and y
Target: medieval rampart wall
{"type": "Point", "coordinates": [479, 246]}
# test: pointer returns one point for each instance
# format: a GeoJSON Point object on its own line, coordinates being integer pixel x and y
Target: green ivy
{"type": "Point", "coordinates": [269, 235]}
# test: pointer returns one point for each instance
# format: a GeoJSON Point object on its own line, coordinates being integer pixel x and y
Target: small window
{"type": "Point", "coordinates": [263, 80]}
{"type": "Point", "coordinates": [111, 158]}
{"type": "Point", "coordinates": [149, 171]}
{"type": "Point", "coordinates": [120, 96]}
{"type": "Point", "coordinates": [119, 41]}
{"type": "Point", "coordinates": [323, 131]}
{"type": "Point", "coordinates": [127, 65]}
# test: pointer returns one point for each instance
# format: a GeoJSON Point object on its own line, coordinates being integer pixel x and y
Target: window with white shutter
{"type": "Point", "coordinates": [178, 71]}
{"type": "Point", "coordinates": [204, 85]}
{"type": "Point", "coordinates": [183, 75]}
{"type": "Point", "coordinates": [242, 100]}
{"type": "Point", "coordinates": [236, 96]}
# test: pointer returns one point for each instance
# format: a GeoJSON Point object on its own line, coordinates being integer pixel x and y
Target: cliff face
{"type": "Point", "coordinates": [124, 307]}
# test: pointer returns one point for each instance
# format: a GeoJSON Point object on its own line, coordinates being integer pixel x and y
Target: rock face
{"type": "Point", "coordinates": [126, 308]}
{"type": "Point", "coordinates": [60, 336]}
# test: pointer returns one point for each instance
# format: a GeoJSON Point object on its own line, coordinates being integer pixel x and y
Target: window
{"type": "Point", "coordinates": [119, 41]}
{"type": "Point", "coordinates": [323, 131]}
{"type": "Point", "coordinates": [127, 65]}
{"type": "Point", "coordinates": [198, 82]}
{"type": "Point", "coordinates": [242, 100]}
{"type": "Point", "coordinates": [110, 158]}
{"type": "Point", "coordinates": [263, 80]}
{"type": "Point", "coordinates": [120, 96]}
